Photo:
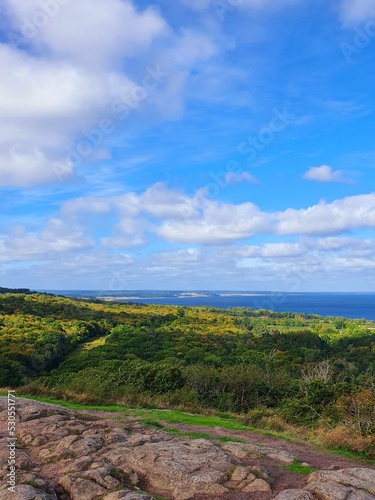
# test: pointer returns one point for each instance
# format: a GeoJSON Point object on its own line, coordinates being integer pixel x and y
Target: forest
{"type": "Point", "coordinates": [282, 371]}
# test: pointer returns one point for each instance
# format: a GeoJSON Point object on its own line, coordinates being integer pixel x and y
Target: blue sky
{"type": "Point", "coordinates": [194, 144]}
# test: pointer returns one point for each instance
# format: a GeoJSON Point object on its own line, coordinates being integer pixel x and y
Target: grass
{"type": "Point", "coordinates": [94, 343]}
{"type": "Point", "coordinates": [228, 439]}
{"type": "Point", "coordinates": [157, 415]}
{"type": "Point", "coordinates": [193, 435]}
{"type": "Point", "coordinates": [347, 453]}
{"type": "Point", "coordinates": [152, 423]}
{"type": "Point", "coordinates": [298, 468]}
{"type": "Point", "coordinates": [69, 405]}
{"type": "Point", "coordinates": [147, 414]}
{"type": "Point", "coordinates": [177, 417]}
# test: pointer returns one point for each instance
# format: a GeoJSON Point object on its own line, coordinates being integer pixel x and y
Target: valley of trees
{"type": "Point", "coordinates": [280, 371]}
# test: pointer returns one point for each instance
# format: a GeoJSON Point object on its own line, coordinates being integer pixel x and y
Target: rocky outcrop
{"type": "Point", "coordinates": [247, 450]}
{"type": "Point", "coordinates": [354, 483]}
{"type": "Point", "coordinates": [65, 455]}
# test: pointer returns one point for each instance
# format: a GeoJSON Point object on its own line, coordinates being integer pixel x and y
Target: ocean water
{"type": "Point", "coordinates": [349, 305]}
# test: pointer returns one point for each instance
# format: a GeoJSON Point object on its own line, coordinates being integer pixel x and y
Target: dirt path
{"type": "Point", "coordinates": [305, 452]}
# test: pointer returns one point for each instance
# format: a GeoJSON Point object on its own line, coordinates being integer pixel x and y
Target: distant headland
{"type": "Point", "coordinates": [15, 290]}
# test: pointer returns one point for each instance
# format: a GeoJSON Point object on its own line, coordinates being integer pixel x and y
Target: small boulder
{"type": "Point", "coordinates": [329, 490]}
{"type": "Point", "coordinates": [357, 477]}
{"type": "Point", "coordinates": [257, 485]}
{"type": "Point", "coordinates": [240, 473]}
{"type": "Point", "coordinates": [82, 489]}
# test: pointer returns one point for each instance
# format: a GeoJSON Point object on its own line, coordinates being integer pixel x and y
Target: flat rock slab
{"type": "Point", "coordinates": [64, 454]}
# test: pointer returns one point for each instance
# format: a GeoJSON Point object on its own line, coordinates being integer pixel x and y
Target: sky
{"type": "Point", "coordinates": [187, 145]}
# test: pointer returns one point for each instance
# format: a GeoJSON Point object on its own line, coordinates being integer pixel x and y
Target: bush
{"type": "Point", "coordinates": [342, 437]}
{"type": "Point", "coordinates": [297, 411]}
{"type": "Point", "coordinates": [254, 417]}
{"type": "Point", "coordinates": [357, 412]}
{"type": "Point", "coordinates": [11, 373]}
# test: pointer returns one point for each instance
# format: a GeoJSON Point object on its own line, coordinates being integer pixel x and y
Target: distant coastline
{"type": "Point", "coordinates": [343, 304]}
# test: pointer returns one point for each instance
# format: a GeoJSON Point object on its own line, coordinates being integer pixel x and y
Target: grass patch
{"type": "Point", "coordinates": [228, 439]}
{"type": "Point", "coordinates": [152, 423]}
{"type": "Point", "coordinates": [69, 405]}
{"type": "Point", "coordinates": [298, 468]}
{"type": "Point", "coordinates": [177, 417]}
{"type": "Point", "coordinates": [192, 435]}
{"type": "Point", "coordinates": [201, 435]}
{"type": "Point", "coordinates": [347, 453]}
{"type": "Point", "coordinates": [94, 343]}
{"type": "Point", "coordinates": [169, 416]}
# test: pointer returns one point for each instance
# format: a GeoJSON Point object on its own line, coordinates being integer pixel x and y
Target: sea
{"type": "Point", "coordinates": [348, 305]}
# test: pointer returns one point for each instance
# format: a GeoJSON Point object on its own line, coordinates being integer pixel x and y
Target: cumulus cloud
{"type": "Point", "coordinates": [217, 223]}
{"type": "Point", "coordinates": [328, 218]}
{"type": "Point", "coordinates": [273, 250]}
{"type": "Point", "coordinates": [71, 30]}
{"type": "Point", "coordinates": [196, 219]}
{"type": "Point", "coordinates": [55, 239]}
{"type": "Point", "coordinates": [324, 173]}
{"type": "Point", "coordinates": [66, 72]}
{"type": "Point", "coordinates": [126, 246]}
{"type": "Point", "coordinates": [171, 204]}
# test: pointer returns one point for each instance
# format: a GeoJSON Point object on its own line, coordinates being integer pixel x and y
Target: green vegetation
{"type": "Point", "coordinates": [281, 372]}
{"type": "Point", "coordinates": [297, 467]}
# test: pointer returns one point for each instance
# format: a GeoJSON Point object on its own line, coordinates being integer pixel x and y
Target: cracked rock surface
{"type": "Point", "coordinates": [63, 454]}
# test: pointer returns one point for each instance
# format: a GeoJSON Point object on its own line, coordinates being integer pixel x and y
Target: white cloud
{"type": "Point", "coordinates": [67, 77]}
{"type": "Point", "coordinates": [217, 223]}
{"type": "Point", "coordinates": [179, 218]}
{"type": "Point", "coordinates": [89, 32]}
{"type": "Point", "coordinates": [165, 203]}
{"type": "Point", "coordinates": [109, 242]}
{"type": "Point", "coordinates": [232, 178]}
{"type": "Point", "coordinates": [54, 240]}
{"type": "Point", "coordinates": [273, 250]}
{"type": "Point", "coordinates": [27, 168]}
{"type": "Point", "coordinates": [353, 12]}
{"type": "Point", "coordinates": [324, 173]}
{"type": "Point", "coordinates": [327, 218]}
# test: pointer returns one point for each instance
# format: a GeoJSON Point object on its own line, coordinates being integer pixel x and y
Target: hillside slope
{"type": "Point", "coordinates": [285, 372]}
